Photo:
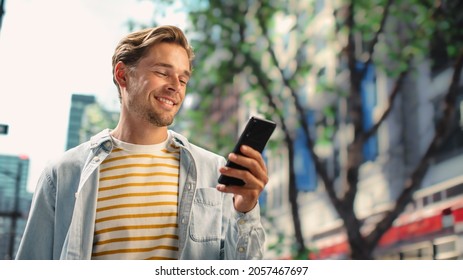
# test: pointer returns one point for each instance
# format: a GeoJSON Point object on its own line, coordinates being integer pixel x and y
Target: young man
{"type": "Point", "coordinates": [141, 191]}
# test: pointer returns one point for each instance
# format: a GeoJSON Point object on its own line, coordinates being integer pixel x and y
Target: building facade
{"type": "Point", "coordinates": [15, 202]}
{"type": "Point", "coordinates": [87, 117]}
{"type": "Point", "coordinates": [79, 103]}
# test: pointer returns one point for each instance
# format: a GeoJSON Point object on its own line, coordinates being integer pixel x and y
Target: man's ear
{"type": "Point", "coordinates": [120, 74]}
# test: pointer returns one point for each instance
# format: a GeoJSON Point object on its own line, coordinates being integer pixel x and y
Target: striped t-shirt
{"type": "Point", "coordinates": [136, 216]}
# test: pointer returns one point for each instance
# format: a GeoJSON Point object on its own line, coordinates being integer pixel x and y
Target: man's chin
{"type": "Point", "coordinates": [161, 122]}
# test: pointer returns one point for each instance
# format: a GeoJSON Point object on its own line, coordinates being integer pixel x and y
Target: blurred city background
{"type": "Point", "coordinates": [367, 159]}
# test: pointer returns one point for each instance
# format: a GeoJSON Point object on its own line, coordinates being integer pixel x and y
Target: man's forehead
{"type": "Point", "coordinates": [167, 55]}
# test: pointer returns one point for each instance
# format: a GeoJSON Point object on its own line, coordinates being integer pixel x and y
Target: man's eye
{"type": "Point", "coordinates": [161, 73]}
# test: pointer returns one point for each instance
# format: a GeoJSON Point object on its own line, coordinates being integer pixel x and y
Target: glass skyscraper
{"type": "Point", "coordinates": [15, 202]}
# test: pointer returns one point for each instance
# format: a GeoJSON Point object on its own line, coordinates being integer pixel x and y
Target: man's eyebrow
{"type": "Point", "coordinates": [166, 65]}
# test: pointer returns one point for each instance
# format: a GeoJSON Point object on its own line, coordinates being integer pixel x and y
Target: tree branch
{"type": "Point", "coordinates": [264, 83]}
{"type": "Point", "coordinates": [355, 101]}
{"type": "Point", "coordinates": [392, 96]}
{"type": "Point", "coordinates": [375, 39]}
{"type": "Point", "coordinates": [416, 178]}
{"type": "Point", "coordinates": [354, 114]}
{"type": "Point", "coordinates": [321, 170]}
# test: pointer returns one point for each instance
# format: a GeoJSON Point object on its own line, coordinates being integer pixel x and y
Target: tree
{"type": "Point", "coordinates": [414, 41]}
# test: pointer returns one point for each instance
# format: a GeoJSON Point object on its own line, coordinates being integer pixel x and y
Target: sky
{"type": "Point", "coordinates": [50, 49]}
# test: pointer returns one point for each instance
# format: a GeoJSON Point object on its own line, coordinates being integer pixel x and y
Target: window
{"type": "Point", "coordinates": [453, 144]}
{"type": "Point", "coordinates": [369, 100]}
{"type": "Point", "coordinates": [304, 167]}
{"type": "Point", "coordinates": [420, 251]}
{"type": "Point", "coordinates": [455, 191]}
{"type": "Point", "coordinates": [436, 197]}
{"type": "Point", "coordinates": [446, 248]}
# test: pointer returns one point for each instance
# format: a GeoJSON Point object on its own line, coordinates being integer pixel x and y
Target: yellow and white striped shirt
{"type": "Point", "coordinates": [136, 216]}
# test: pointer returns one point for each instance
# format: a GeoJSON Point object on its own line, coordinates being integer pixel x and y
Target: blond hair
{"type": "Point", "coordinates": [135, 45]}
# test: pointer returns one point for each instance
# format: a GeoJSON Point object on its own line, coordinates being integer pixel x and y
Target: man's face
{"type": "Point", "coordinates": [156, 86]}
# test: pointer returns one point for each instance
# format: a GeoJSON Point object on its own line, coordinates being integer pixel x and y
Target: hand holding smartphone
{"type": "Point", "coordinates": [255, 135]}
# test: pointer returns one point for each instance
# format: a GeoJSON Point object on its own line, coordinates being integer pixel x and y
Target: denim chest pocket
{"type": "Point", "coordinates": [206, 219]}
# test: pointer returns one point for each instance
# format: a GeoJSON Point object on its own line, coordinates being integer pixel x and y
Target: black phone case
{"type": "Point", "coordinates": [256, 135]}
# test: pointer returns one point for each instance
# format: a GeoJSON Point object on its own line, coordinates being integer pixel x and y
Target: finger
{"type": "Point", "coordinates": [250, 180]}
{"type": "Point", "coordinates": [240, 193]}
{"type": "Point", "coordinates": [228, 189]}
{"type": "Point", "coordinates": [251, 153]}
{"type": "Point", "coordinates": [257, 169]}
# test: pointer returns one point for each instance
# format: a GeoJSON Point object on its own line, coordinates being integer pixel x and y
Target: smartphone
{"type": "Point", "coordinates": [255, 135]}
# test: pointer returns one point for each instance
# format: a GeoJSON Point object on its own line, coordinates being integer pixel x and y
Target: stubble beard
{"type": "Point", "coordinates": [158, 120]}
{"type": "Point", "coordinates": [149, 114]}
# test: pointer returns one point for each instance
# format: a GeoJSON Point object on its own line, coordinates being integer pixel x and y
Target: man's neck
{"type": "Point", "coordinates": [140, 134]}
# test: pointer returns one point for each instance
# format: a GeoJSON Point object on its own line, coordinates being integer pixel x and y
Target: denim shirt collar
{"type": "Point", "coordinates": [102, 140]}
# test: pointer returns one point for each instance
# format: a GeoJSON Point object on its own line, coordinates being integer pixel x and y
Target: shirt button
{"type": "Point", "coordinates": [241, 249]}
{"type": "Point", "coordinates": [183, 220]}
{"type": "Point", "coordinates": [96, 159]}
{"type": "Point", "coordinates": [241, 222]}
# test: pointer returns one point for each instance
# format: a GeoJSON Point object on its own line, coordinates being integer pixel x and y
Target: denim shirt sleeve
{"type": "Point", "coordinates": [245, 236]}
{"type": "Point", "coordinates": [37, 240]}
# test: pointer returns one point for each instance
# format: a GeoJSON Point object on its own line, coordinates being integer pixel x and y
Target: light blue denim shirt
{"type": "Point", "coordinates": [62, 217]}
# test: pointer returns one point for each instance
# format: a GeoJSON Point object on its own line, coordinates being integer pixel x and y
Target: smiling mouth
{"type": "Point", "coordinates": [166, 101]}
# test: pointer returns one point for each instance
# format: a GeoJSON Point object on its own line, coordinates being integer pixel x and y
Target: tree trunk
{"type": "Point", "coordinates": [292, 189]}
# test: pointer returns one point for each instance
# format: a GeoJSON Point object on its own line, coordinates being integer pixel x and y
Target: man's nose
{"type": "Point", "coordinates": [173, 84]}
